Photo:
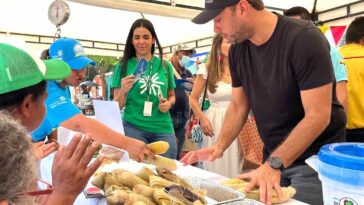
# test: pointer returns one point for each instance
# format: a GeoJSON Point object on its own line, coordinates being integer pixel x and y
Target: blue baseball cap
{"type": "Point", "coordinates": [71, 51]}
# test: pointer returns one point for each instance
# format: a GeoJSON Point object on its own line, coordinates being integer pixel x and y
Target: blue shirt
{"type": "Point", "coordinates": [59, 109]}
{"type": "Point", "coordinates": [337, 62]}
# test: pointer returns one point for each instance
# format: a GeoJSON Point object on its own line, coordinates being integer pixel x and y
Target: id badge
{"type": "Point", "coordinates": [147, 112]}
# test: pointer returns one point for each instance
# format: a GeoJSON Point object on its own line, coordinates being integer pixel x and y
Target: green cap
{"type": "Point", "coordinates": [20, 69]}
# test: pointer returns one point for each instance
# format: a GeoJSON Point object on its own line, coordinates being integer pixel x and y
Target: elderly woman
{"type": "Point", "coordinates": [18, 169]}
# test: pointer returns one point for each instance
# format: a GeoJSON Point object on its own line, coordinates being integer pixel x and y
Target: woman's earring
{"type": "Point", "coordinates": [221, 57]}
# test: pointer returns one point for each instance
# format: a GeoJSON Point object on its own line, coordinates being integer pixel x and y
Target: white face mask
{"type": "Point", "coordinates": [184, 61]}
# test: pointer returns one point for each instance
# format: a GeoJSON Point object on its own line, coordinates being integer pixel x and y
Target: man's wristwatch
{"type": "Point", "coordinates": [275, 163]}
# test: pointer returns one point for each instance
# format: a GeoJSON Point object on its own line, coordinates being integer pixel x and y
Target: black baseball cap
{"type": "Point", "coordinates": [212, 9]}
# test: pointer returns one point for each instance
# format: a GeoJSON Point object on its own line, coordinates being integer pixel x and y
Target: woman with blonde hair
{"type": "Point", "coordinates": [216, 76]}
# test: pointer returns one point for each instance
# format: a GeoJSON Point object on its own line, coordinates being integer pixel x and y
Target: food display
{"type": "Point", "coordinates": [240, 185]}
{"type": "Point", "coordinates": [124, 187]}
{"type": "Point", "coordinates": [153, 182]}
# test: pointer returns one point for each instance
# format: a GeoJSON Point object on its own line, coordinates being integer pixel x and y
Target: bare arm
{"type": "Point", "coordinates": [317, 105]}
{"type": "Point", "coordinates": [120, 94]}
{"type": "Point", "coordinates": [166, 104]}
{"type": "Point", "coordinates": [235, 118]}
{"type": "Point", "coordinates": [198, 88]}
{"type": "Point", "coordinates": [103, 134]}
{"type": "Point", "coordinates": [120, 97]}
{"type": "Point", "coordinates": [341, 94]}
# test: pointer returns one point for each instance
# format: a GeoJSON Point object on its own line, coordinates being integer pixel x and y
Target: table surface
{"type": "Point", "coordinates": [183, 171]}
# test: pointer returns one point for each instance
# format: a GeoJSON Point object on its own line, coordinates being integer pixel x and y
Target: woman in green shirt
{"type": "Point", "coordinates": [146, 100]}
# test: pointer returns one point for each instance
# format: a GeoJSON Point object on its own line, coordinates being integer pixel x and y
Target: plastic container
{"type": "Point", "coordinates": [217, 193]}
{"type": "Point", "coordinates": [341, 170]}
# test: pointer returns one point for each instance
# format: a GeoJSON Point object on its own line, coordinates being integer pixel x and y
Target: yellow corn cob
{"type": "Point", "coordinates": [159, 147]}
{"type": "Point", "coordinates": [162, 162]}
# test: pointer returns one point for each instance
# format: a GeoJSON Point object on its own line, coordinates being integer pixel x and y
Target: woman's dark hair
{"type": "Point", "coordinates": [45, 55]}
{"type": "Point", "coordinates": [355, 31]}
{"type": "Point", "coordinates": [15, 98]}
{"type": "Point", "coordinates": [129, 51]}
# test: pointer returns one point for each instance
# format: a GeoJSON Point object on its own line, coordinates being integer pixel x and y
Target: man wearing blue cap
{"type": "Point", "coordinates": [281, 70]}
{"type": "Point", "coordinates": [62, 112]}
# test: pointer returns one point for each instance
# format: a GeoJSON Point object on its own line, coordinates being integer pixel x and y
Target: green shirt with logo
{"type": "Point", "coordinates": [161, 78]}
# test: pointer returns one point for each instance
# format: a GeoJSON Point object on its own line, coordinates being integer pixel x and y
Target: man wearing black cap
{"type": "Point", "coordinates": [281, 69]}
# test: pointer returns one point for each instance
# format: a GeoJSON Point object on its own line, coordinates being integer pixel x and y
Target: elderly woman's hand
{"type": "Point", "coordinates": [71, 170]}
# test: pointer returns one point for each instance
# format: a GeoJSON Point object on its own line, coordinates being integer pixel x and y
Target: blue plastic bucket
{"type": "Point", "coordinates": [341, 171]}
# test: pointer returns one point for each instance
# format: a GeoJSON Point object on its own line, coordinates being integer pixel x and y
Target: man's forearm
{"type": "Point", "coordinates": [301, 137]}
{"type": "Point", "coordinates": [234, 121]}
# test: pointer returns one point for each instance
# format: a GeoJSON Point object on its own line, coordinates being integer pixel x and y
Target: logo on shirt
{"type": "Point", "coordinates": [154, 84]}
{"type": "Point", "coordinates": [209, 1]}
{"type": "Point", "coordinates": [61, 100]}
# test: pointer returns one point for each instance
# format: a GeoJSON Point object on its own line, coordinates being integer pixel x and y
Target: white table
{"type": "Point", "coordinates": [183, 171]}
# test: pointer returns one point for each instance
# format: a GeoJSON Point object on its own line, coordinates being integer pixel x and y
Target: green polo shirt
{"type": "Point", "coordinates": [159, 76]}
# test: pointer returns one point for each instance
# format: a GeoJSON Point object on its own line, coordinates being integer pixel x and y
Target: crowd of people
{"type": "Point", "coordinates": [303, 92]}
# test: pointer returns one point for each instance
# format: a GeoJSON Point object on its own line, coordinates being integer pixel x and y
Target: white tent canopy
{"type": "Point", "coordinates": [97, 23]}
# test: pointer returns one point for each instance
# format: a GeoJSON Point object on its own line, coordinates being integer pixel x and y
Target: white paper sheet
{"type": "Point", "coordinates": [108, 113]}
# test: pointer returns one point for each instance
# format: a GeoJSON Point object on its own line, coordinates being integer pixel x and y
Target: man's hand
{"type": "Point", "coordinates": [42, 150]}
{"type": "Point", "coordinates": [164, 105]}
{"type": "Point", "coordinates": [267, 179]}
{"type": "Point", "coordinates": [127, 83]}
{"type": "Point", "coordinates": [137, 149]}
{"type": "Point", "coordinates": [205, 154]}
{"type": "Point", "coordinates": [70, 170]}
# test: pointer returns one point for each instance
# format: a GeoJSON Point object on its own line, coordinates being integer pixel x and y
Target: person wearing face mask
{"type": "Point", "coordinates": [180, 111]}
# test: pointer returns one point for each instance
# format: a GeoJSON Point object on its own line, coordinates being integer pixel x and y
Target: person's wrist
{"type": "Point", "coordinates": [275, 163]}
{"type": "Point", "coordinates": [58, 198]}
{"type": "Point", "coordinates": [171, 104]}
